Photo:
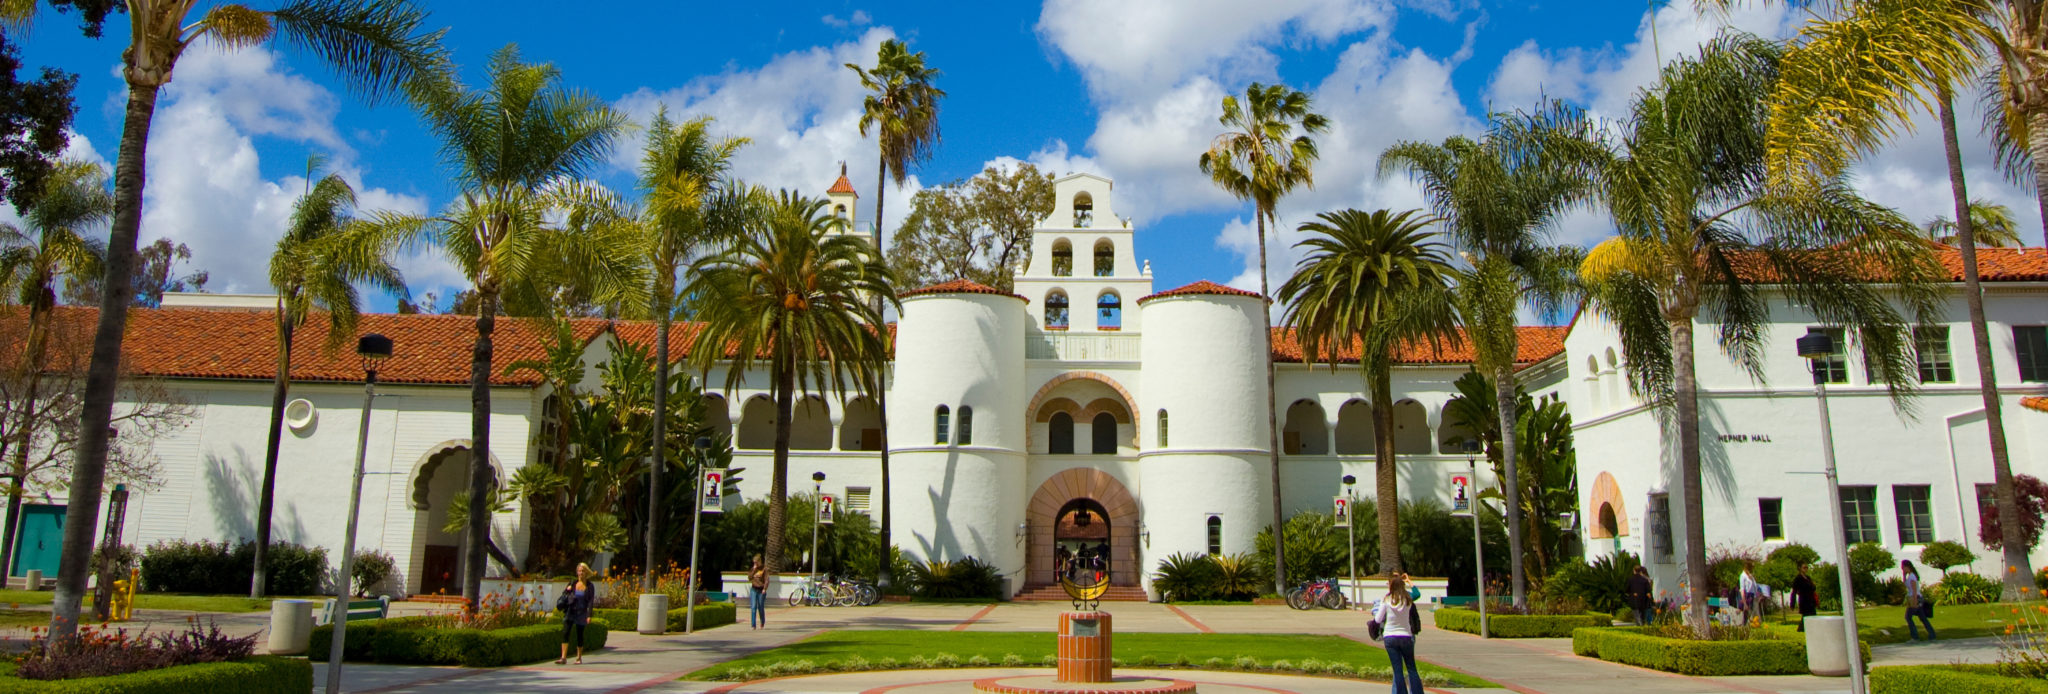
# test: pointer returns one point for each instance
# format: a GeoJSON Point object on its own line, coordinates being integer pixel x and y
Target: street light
{"type": "Point", "coordinates": [1813, 347]}
{"type": "Point", "coordinates": [696, 521]}
{"type": "Point", "coordinates": [1351, 534]}
{"type": "Point", "coordinates": [1478, 550]}
{"type": "Point", "coordinates": [374, 349]}
{"type": "Point", "coordinates": [817, 497]}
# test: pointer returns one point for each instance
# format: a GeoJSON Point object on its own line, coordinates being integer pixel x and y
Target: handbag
{"type": "Point", "coordinates": [1374, 629]}
{"type": "Point", "coordinates": [1414, 620]}
{"type": "Point", "coordinates": [562, 602]}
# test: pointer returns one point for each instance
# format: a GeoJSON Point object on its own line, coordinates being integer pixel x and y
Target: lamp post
{"type": "Point", "coordinates": [1814, 347]}
{"type": "Point", "coordinates": [373, 348]}
{"type": "Point", "coordinates": [1351, 534]}
{"type": "Point", "coordinates": [817, 497]}
{"type": "Point", "coordinates": [696, 521]}
{"type": "Point", "coordinates": [1478, 548]}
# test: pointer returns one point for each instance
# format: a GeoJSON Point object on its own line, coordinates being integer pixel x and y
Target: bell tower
{"type": "Point", "coordinates": [845, 204]}
{"type": "Point", "coordinates": [1084, 275]}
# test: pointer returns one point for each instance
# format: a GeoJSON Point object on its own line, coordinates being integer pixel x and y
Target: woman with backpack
{"type": "Point", "coordinates": [1395, 621]}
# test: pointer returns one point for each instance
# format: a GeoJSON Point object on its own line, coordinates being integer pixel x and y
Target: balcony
{"type": "Point", "coordinates": [1082, 347]}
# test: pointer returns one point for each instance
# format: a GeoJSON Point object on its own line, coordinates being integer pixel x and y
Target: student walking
{"type": "Point", "coordinates": [1916, 605]}
{"type": "Point", "coordinates": [1752, 595]}
{"type": "Point", "coordinates": [1398, 623]}
{"type": "Point", "coordinates": [1805, 596]}
{"type": "Point", "coordinates": [1637, 594]}
{"type": "Point", "coordinates": [575, 608]}
{"type": "Point", "coordinates": [757, 594]}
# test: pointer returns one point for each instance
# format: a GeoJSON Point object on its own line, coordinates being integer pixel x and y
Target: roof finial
{"type": "Point", "coordinates": [842, 167]}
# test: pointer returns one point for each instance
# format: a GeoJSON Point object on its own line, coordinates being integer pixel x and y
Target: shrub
{"type": "Point", "coordinates": [1778, 574]}
{"type": "Point", "coordinates": [2033, 502]}
{"type": "Point", "coordinates": [1512, 626]}
{"type": "Point", "coordinates": [1866, 561]}
{"type": "Point", "coordinates": [370, 568]}
{"type": "Point", "coordinates": [1796, 553]}
{"type": "Point", "coordinates": [1977, 679]}
{"type": "Point", "coordinates": [2041, 578]}
{"type": "Point", "coordinates": [100, 652]}
{"type": "Point", "coordinates": [966, 578]}
{"type": "Point", "coordinates": [1315, 546]}
{"type": "Point", "coordinates": [715, 614]}
{"type": "Point", "coordinates": [1766, 654]}
{"type": "Point", "coordinates": [1944, 554]}
{"type": "Point", "coordinates": [1964, 588]}
{"type": "Point", "coordinates": [255, 675]}
{"type": "Point", "coordinates": [419, 641]}
{"type": "Point", "coordinates": [1599, 584]}
{"type": "Point", "coordinates": [1188, 576]}
{"type": "Point", "coordinates": [205, 566]}
{"type": "Point", "coordinates": [124, 557]}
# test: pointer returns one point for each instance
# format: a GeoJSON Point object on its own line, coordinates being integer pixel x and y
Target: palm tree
{"type": "Point", "coordinates": [516, 147]}
{"type": "Point", "coordinates": [680, 171]}
{"type": "Point", "coordinates": [1500, 202]}
{"type": "Point", "coordinates": [1376, 280]}
{"type": "Point", "coordinates": [792, 294]}
{"type": "Point", "coordinates": [376, 46]}
{"type": "Point", "coordinates": [1991, 224]}
{"type": "Point", "coordinates": [904, 112]}
{"type": "Point", "coordinates": [1266, 152]}
{"type": "Point", "coordinates": [1702, 229]}
{"type": "Point", "coordinates": [57, 244]}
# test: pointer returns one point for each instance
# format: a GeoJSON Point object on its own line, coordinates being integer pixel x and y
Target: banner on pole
{"type": "Point", "coordinates": [825, 509]}
{"type": "Point", "coordinates": [1461, 495]}
{"type": "Point", "coordinates": [713, 485]}
{"type": "Point", "coordinates": [1343, 512]}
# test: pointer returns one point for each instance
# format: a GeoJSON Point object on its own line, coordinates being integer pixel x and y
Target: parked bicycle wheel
{"type": "Point", "coordinates": [1333, 599]}
{"type": "Point", "coordinates": [1297, 598]}
{"type": "Point", "coordinates": [798, 598]}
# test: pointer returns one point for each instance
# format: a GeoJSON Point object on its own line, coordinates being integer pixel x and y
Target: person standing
{"type": "Point", "coordinates": [757, 594]}
{"type": "Point", "coordinates": [1916, 604]}
{"type": "Point", "coordinates": [1399, 623]}
{"type": "Point", "coordinates": [1805, 596]}
{"type": "Point", "coordinates": [1637, 593]}
{"type": "Point", "coordinates": [575, 608]}
{"type": "Point", "coordinates": [1750, 595]}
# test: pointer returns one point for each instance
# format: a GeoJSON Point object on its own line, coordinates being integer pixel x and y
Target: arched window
{"type": "Point", "coordinates": [1060, 434]}
{"type": "Point", "coordinates": [1103, 438]}
{"type": "Point", "coordinates": [1306, 433]}
{"type": "Point", "coordinates": [966, 425]}
{"type": "Point", "coordinates": [1105, 258]}
{"type": "Point", "coordinates": [1084, 210]}
{"type": "Point", "coordinates": [1109, 312]}
{"type": "Point", "coordinates": [1354, 428]}
{"type": "Point", "coordinates": [939, 426]}
{"type": "Point", "coordinates": [1062, 258]}
{"type": "Point", "coordinates": [1592, 366]}
{"type": "Point", "coordinates": [1162, 428]}
{"type": "Point", "coordinates": [1612, 363]}
{"type": "Point", "coordinates": [1216, 536]}
{"type": "Point", "coordinates": [1056, 310]}
{"type": "Point", "coordinates": [839, 210]}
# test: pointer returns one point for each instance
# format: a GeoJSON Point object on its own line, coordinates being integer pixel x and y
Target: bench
{"type": "Point", "coordinates": [358, 610]}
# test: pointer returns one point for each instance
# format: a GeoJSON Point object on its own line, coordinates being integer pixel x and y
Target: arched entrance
{"type": "Point", "coordinates": [1056, 516]}
{"type": "Point", "coordinates": [437, 553]}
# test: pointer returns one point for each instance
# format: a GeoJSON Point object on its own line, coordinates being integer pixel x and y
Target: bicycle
{"type": "Point", "coordinates": [1313, 594]}
{"type": "Point", "coordinates": [817, 593]}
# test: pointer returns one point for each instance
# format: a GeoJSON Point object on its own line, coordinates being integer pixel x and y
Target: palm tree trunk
{"type": "Point", "coordinates": [2019, 574]}
{"type": "Point", "coordinates": [2037, 147]}
{"type": "Point", "coordinates": [266, 496]}
{"type": "Point", "coordinates": [778, 474]}
{"type": "Point", "coordinates": [32, 379]}
{"type": "Point", "coordinates": [882, 579]}
{"type": "Point", "coordinates": [1686, 415]}
{"type": "Point", "coordinates": [1504, 402]}
{"type": "Point", "coordinates": [89, 473]}
{"type": "Point", "coordinates": [481, 485]}
{"type": "Point", "coordinates": [1272, 417]}
{"type": "Point", "coordinates": [1386, 477]}
{"type": "Point", "coordinates": [654, 468]}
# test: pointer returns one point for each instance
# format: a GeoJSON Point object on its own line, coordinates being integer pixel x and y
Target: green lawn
{"type": "Point", "coordinates": [23, 618]}
{"type": "Point", "coordinates": [158, 601]}
{"type": "Point", "coordinates": [1164, 649]}
{"type": "Point", "coordinates": [1888, 624]}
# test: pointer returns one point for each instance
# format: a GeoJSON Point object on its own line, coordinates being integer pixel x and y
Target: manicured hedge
{"type": "Point", "coordinates": [1628, 645]}
{"type": "Point", "coordinates": [257, 675]}
{"type": "Point", "coordinates": [1518, 626]}
{"type": "Point", "coordinates": [1976, 679]}
{"type": "Point", "coordinates": [716, 614]}
{"type": "Point", "coordinates": [410, 641]}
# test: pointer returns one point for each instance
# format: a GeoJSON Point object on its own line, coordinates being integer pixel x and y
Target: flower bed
{"type": "Point", "coordinates": [714, 614]}
{"type": "Point", "coordinates": [254, 675]}
{"type": "Point", "coordinates": [1519, 626]}
{"type": "Point", "coordinates": [1769, 655]}
{"type": "Point", "coordinates": [429, 641]}
{"type": "Point", "coordinates": [1977, 679]}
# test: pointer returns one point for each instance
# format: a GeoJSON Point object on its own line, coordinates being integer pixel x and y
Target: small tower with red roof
{"type": "Point", "coordinates": [845, 204]}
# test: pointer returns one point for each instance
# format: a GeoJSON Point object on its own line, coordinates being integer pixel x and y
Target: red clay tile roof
{"type": "Point", "coordinates": [1201, 287]}
{"type": "Point", "coordinates": [2035, 403]}
{"type": "Point", "coordinates": [1993, 264]}
{"type": "Point", "coordinates": [960, 286]}
{"type": "Point", "coordinates": [841, 186]}
{"type": "Point", "coordinates": [682, 335]}
{"type": "Point", "coordinates": [1536, 344]}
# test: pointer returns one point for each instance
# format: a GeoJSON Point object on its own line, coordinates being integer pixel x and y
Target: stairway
{"type": "Point", "coordinates": [1053, 593]}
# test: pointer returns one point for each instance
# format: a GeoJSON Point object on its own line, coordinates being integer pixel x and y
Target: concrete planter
{"type": "Point", "coordinates": [291, 626]}
{"type": "Point", "coordinates": [653, 613]}
{"type": "Point", "coordinates": [1827, 649]}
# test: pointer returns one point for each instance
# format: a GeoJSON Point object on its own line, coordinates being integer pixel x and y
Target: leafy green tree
{"type": "Point", "coordinates": [1377, 280]}
{"type": "Point", "coordinates": [33, 117]}
{"type": "Point", "coordinates": [516, 147]}
{"type": "Point", "coordinates": [318, 263]}
{"type": "Point", "coordinates": [793, 294]}
{"type": "Point", "coordinates": [1944, 554]}
{"type": "Point", "coordinates": [1991, 224]}
{"type": "Point", "coordinates": [979, 229]}
{"type": "Point", "coordinates": [156, 273]}
{"type": "Point", "coordinates": [1265, 152]}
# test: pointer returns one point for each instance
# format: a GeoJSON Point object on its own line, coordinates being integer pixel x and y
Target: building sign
{"type": "Point", "coordinates": [713, 485]}
{"type": "Point", "coordinates": [1343, 512]}
{"type": "Point", "coordinates": [1461, 495]}
{"type": "Point", "coordinates": [1745, 438]}
{"type": "Point", "coordinates": [825, 510]}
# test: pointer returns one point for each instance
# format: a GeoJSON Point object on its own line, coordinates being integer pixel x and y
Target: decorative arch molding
{"type": "Point", "coordinates": [1045, 392]}
{"type": "Point", "coordinates": [1606, 496]}
{"type": "Point", "coordinates": [1094, 485]}
{"type": "Point", "coordinates": [429, 462]}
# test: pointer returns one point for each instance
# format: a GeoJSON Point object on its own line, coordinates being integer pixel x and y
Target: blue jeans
{"type": "Point", "coordinates": [1400, 655]}
{"type": "Point", "coordinates": [1920, 612]}
{"type": "Point", "coordinates": [757, 606]}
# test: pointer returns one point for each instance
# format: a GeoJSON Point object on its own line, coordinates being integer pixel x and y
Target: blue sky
{"type": "Point", "coordinates": [1123, 88]}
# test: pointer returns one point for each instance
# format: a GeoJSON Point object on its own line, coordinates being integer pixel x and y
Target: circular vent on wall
{"type": "Point", "coordinates": [299, 415]}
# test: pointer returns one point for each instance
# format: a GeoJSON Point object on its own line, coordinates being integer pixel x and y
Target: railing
{"type": "Point", "coordinates": [1083, 347]}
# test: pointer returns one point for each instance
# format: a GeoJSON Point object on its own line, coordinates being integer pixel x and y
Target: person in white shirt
{"type": "Point", "coordinates": [1916, 604]}
{"type": "Point", "coordinates": [1398, 620]}
{"type": "Point", "coordinates": [1751, 594]}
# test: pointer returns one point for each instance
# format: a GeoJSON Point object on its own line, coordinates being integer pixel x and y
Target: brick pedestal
{"type": "Point", "coordinates": [1084, 647]}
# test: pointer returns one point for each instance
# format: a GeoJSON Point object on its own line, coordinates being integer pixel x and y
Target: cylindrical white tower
{"type": "Point", "coordinates": [1206, 467]}
{"type": "Point", "coordinates": [959, 492]}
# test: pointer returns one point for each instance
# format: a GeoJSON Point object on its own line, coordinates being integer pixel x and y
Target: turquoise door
{"type": "Point", "coordinates": [41, 542]}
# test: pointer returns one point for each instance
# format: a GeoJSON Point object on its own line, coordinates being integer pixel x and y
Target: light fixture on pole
{"type": "Point", "coordinates": [817, 497]}
{"type": "Point", "coordinates": [1814, 347]}
{"type": "Point", "coordinates": [696, 521]}
{"type": "Point", "coordinates": [1351, 534]}
{"type": "Point", "coordinates": [1478, 548]}
{"type": "Point", "coordinates": [374, 349]}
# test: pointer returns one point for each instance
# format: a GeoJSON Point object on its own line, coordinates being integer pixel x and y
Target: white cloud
{"type": "Point", "coordinates": [1133, 50]}
{"type": "Point", "coordinates": [859, 18]}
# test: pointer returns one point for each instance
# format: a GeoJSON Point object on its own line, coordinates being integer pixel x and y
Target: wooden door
{"type": "Point", "coordinates": [439, 573]}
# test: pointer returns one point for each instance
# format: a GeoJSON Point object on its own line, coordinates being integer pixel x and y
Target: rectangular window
{"type": "Point", "coordinates": [857, 499]}
{"type": "Point", "coordinates": [1916, 519]}
{"type": "Point", "coordinates": [1833, 368]}
{"type": "Point", "coordinates": [1660, 527]}
{"type": "Point", "coordinates": [1930, 345]}
{"type": "Point", "coordinates": [1771, 511]}
{"type": "Point", "coordinates": [1859, 515]}
{"type": "Point", "coordinates": [2030, 343]}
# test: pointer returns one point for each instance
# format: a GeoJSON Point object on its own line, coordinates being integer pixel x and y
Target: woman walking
{"type": "Point", "coordinates": [757, 594]}
{"type": "Point", "coordinates": [575, 608]}
{"type": "Point", "coordinates": [1637, 594]}
{"type": "Point", "coordinates": [1398, 622]}
{"type": "Point", "coordinates": [1916, 605]}
{"type": "Point", "coordinates": [1805, 596]}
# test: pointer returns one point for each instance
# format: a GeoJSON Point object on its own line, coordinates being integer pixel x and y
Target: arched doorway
{"type": "Point", "coordinates": [1080, 536]}
{"type": "Point", "coordinates": [437, 553]}
{"type": "Point", "coordinates": [1054, 520]}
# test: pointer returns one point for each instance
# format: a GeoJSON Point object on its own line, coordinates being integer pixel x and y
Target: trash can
{"type": "Point", "coordinates": [1827, 650]}
{"type": "Point", "coordinates": [291, 626]}
{"type": "Point", "coordinates": [34, 580]}
{"type": "Point", "coordinates": [653, 613]}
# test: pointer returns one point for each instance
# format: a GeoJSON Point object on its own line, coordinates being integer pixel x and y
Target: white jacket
{"type": "Point", "coordinates": [1393, 618]}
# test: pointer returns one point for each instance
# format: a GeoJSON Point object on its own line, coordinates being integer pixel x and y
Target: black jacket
{"type": "Point", "coordinates": [1806, 595]}
{"type": "Point", "coordinates": [1637, 592]}
{"type": "Point", "coordinates": [575, 607]}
